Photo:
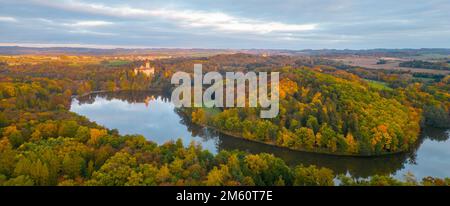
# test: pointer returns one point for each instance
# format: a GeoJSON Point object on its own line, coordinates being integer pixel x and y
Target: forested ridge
{"type": "Point", "coordinates": [443, 65]}
{"type": "Point", "coordinates": [42, 143]}
{"type": "Point", "coordinates": [336, 113]}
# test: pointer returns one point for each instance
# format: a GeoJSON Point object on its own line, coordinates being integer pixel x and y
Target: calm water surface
{"type": "Point", "coordinates": [153, 115]}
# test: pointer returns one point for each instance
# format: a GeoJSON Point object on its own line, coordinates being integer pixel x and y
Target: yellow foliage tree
{"type": "Point", "coordinates": [199, 116]}
{"type": "Point", "coordinates": [351, 143]}
{"type": "Point", "coordinates": [287, 87]}
{"type": "Point", "coordinates": [96, 134]}
{"type": "Point", "coordinates": [256, 163]}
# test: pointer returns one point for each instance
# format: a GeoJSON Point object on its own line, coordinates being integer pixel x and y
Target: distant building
{"type": "Point", "coordinates": [147, 69]}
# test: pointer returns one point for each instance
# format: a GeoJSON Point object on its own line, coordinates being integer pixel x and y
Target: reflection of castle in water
{"type": "Point", "coordinates": [127, 96]}
{"type": "Point", "coordinates": [148, 99]}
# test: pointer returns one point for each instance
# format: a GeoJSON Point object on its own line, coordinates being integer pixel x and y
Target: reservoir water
{"type": "Point", "coordinates": [153, 115]}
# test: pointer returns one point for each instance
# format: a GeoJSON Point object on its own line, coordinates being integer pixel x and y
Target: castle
{"type": "Point", "coordinates": [147, 69]}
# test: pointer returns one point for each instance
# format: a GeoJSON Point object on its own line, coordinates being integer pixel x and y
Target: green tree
{"type": "Point", "coordinates": [39, 172]}
{"type": "Point", "coordinates": [14, 136]}
{"type": "Point", "coordinates": [313, 176]}
{"type": "Point", "coordinates": [328, 137]}
{"type": "Point", "coordinates": [217, 177]}
{"type": "Point", "coordinates": [7, 158]}
{"type": "Point", "coordinates": [72, 165]}
{"type": "Point", "coordinates": [68, 129]}
{"type": "Point", "coordinates": [312, 123]}
{"type": "Point", "coordinates": [3, 120]}
{"type": "Point", "coordinates": [306, 137]}
{"type": "Point", "coordinates": [21, 180]}
{"type": "Point", "coordinates": [116, 170]}
{"type": "Point", "coordinates": [83, 134]}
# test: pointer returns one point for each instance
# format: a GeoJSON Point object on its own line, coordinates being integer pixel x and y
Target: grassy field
{"type": "Point", "coordinates": [116, 63]}
{"type": "Point", "coordinates": [378, 85]}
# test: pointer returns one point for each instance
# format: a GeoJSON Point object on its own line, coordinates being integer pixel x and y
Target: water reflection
{"type": "Point", "coordinates": [148, 114]}
{"type": "Point", "coordinates": [154, 116]}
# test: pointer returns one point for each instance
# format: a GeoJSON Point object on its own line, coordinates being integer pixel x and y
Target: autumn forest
{"type": "Point", "coordinates": [325, 107]}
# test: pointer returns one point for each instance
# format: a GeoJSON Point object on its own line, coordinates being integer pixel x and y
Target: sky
{"type": "Point", "coordinates": [227, 24]}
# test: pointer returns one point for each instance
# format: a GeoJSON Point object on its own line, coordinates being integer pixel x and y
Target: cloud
{"type": "Point", "coordinates": [81, 24]}
{"type": "Point", "coordinates": [90, 32]}
{"type": "Point", "coordinates": [292, 24]}
{"type": "Point", "coordinates": [89, 24]}
{"type": "Point", "coordinates": [224, 22]}
{"type": "Point", "coordinates": [7, 19]}
{"type": "Point", "coordinates": [85, 27]}
{"type": "Point", "coordinates": [82, 27]}
{"type": "Point", "coordinates": [186, 18]}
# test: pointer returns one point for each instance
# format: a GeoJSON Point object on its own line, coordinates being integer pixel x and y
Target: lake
{"type": "Point", "coordinates": [153, 115]}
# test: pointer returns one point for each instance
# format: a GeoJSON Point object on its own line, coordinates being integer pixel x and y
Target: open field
{"type": "Point", "coordinates": [370, 62]}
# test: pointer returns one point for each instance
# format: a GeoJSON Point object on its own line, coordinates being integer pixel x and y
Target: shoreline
{"type": "Point", "coordinates": [238, 136]}
{"type": "Point", "coordinates": [153, 89]}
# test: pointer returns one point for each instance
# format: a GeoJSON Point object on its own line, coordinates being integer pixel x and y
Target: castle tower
{"type": "Point", "coordinates": [145, 69]}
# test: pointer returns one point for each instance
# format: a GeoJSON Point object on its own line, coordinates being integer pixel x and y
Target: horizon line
{"type": "Point", "coordinates": [109, 47]}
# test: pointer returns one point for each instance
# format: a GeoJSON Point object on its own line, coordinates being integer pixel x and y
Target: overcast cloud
{"type": "Point", "coordinates": [271, 24]}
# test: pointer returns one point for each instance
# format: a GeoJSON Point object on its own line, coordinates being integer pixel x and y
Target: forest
{"type": "Point", "coordinates": [426, 65]}
{"type": "Point", "coordinates": [323, 109]}
{"type": "Point", "coordinates": [327, 110]}
{"type": "Point", "coordinates": [325, 113]}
